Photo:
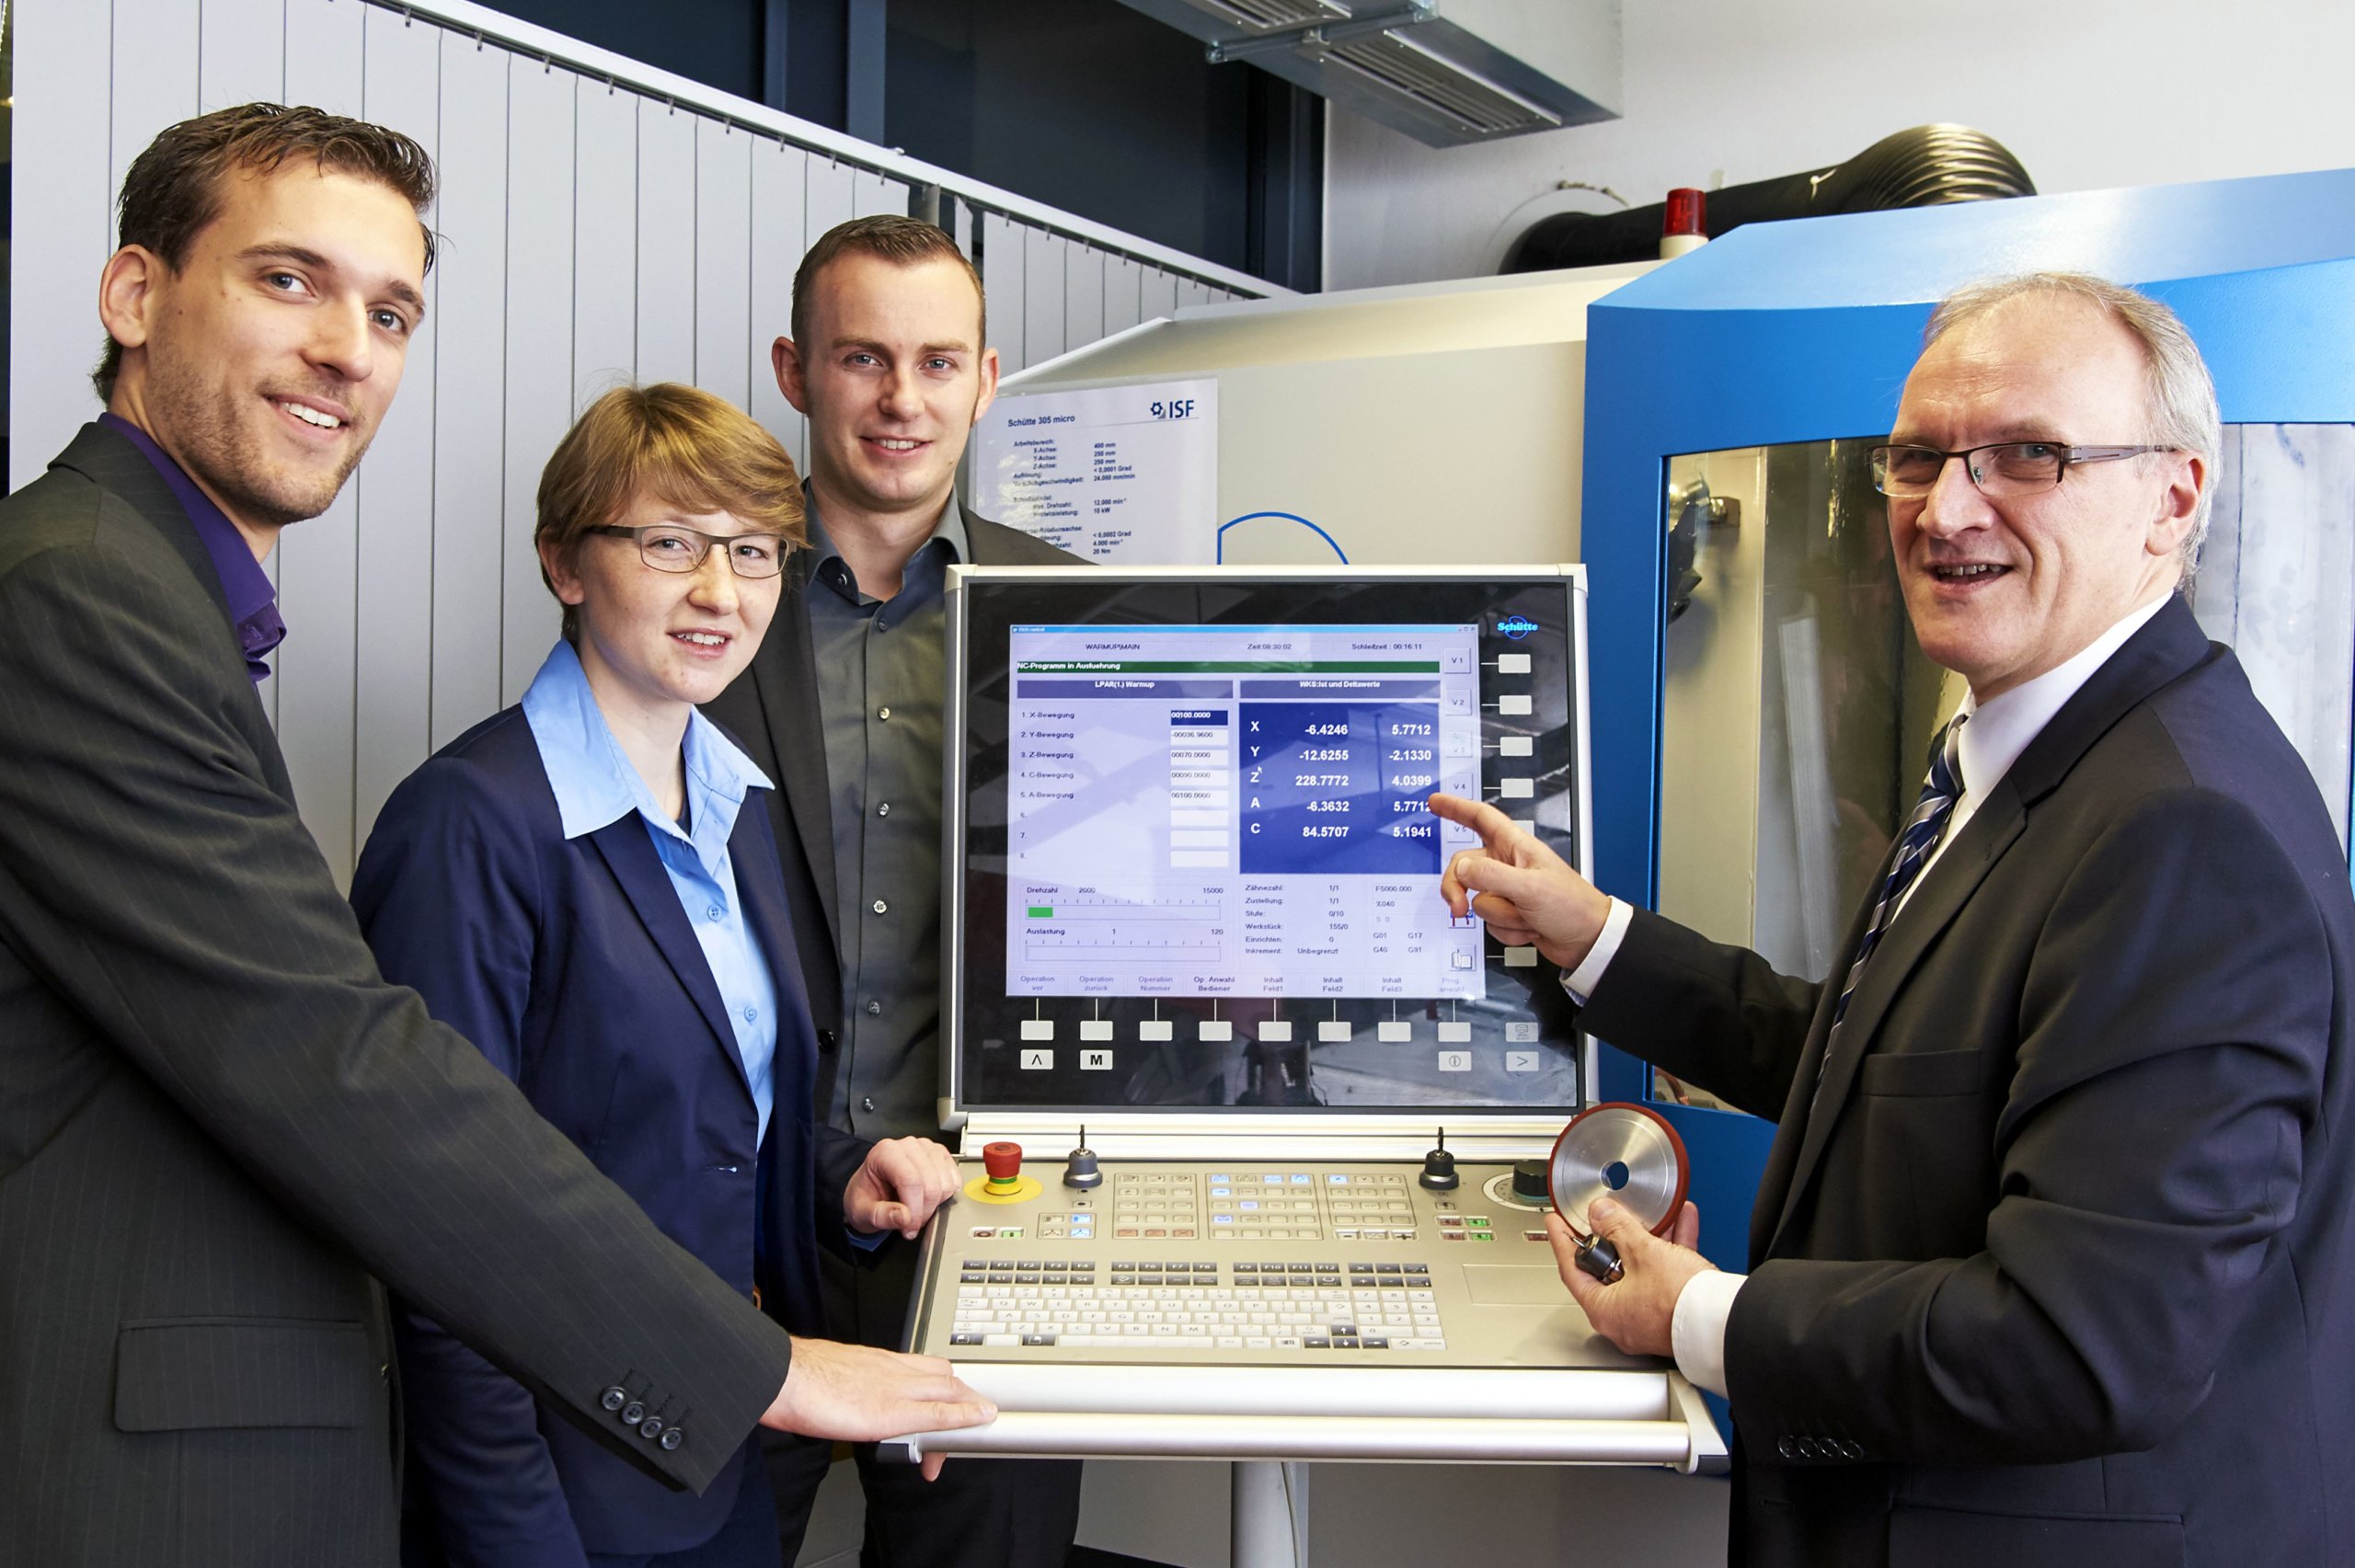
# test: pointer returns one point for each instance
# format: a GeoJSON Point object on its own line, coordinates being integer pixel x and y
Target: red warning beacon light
{"type": "Point", "coordinates": [1687, 226]}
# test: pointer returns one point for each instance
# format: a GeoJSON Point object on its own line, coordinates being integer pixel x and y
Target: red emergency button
{"type": "Point", "coordinates": [1004, 1163]}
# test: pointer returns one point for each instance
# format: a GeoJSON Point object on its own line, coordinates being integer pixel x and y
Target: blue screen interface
{"type": "Point", "coordinates": [1207, 810]}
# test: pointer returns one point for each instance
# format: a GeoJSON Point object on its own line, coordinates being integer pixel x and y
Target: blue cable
{"type": "Point", "coordinates": [1289, 517]}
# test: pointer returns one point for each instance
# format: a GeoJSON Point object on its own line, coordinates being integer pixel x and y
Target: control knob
{"type": "Point", "coordinates": [1439, 1167]}
{"type": "Point", "coordinates": [1079, 1166]}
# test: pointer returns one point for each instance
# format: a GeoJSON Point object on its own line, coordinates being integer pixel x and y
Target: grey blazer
{"type": "Point", "coordinates": [2056, 1268]}
{"type": "Point", "coordinates": [219, 1128]}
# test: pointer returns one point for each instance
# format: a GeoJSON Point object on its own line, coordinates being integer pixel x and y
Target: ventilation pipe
{"type": "Point", "coordinates": [1927, 166]}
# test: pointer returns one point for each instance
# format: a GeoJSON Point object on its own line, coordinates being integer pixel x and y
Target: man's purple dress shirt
{"type": "Point", "coordinates": [253, 598]}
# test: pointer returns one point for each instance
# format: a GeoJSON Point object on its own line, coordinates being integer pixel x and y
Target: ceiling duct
{"type": "Point", "coordinates": [1445, 72]}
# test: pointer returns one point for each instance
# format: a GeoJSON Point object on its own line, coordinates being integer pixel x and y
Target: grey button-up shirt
{"type": "Point", "coordinates": [881, 682]}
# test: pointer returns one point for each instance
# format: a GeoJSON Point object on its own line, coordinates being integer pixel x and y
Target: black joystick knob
{"type": "Point", "coordinates": [1079, 1166]}
{"type": "Point", "coordinates": [1530, 1182]}
{"type": "Point", "coordinates": [1439, 1167]}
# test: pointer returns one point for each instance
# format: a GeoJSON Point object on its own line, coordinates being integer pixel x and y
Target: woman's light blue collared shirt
{"type": "Point", "coordinates": [595, 785]}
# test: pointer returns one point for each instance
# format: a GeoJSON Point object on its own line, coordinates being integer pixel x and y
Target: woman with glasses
{"type": "Point", "coordinates": [586, 886]}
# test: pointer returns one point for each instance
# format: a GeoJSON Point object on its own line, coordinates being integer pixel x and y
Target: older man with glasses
{"type": "Point", "coordinates": [2053, 1261]}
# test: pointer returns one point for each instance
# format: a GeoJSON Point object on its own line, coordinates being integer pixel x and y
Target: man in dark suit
{"type": "Point", "coordinates": [216, 1122]}
{"type": "Point", "coordinates": [842, 707]}
{"type": "Point", "coordinates": [2053, 1263]}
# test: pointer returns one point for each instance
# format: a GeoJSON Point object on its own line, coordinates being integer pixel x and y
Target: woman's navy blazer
{"type": "Point", "coordinates": [573, 968]}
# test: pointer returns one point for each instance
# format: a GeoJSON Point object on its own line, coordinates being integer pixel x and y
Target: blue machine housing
{"type": "Point", "coordinates": [1804, 331]}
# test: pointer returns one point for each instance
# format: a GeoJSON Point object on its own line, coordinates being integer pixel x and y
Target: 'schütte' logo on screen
{"type": "Point", "coordinates": [1516, 627]}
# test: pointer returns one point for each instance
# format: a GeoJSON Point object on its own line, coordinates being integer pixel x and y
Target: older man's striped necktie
{"type": "Point", "coordinates": [1939, 791]}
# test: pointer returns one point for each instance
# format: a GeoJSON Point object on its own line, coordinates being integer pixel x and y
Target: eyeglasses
{"type": "Point", "coordinates": [2003, 468]}
{"type": "Point", "coordinates": [667, 548]}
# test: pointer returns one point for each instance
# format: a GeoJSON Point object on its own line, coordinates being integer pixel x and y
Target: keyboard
{"type": "Point", "coordinates": [1182, 1306]}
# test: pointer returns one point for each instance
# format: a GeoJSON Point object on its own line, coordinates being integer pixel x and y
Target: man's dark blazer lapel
{"type": "Point", "coordinates": [107, 458]}
{"type": "Point", "coordinates": [627, 849]}
{"type": "Point", "coordinates": [2162, 651]}
{"type": "Point", "coordinates": [788, 691]}
{"type": "Point", "coordinates": [760, 884]}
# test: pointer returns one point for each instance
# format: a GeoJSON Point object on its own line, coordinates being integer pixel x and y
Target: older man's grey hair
{"type": "Point", "coordinates": [2181, 397]}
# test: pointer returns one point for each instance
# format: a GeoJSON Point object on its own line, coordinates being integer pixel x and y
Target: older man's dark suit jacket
{"type": "Point", "coordinates": [2057, 1267]}
{"type": "Point", "coordinates": [217, 1122]}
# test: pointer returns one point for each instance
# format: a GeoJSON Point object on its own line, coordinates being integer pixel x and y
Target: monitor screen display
{"type": "Point", "coordinates": [1193, 862]}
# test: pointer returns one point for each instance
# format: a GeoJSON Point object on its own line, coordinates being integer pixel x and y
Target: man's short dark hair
{"type": "Point", "coordinates": [174, 188]}
{"type": "Point", "coordinates": [904, 242]}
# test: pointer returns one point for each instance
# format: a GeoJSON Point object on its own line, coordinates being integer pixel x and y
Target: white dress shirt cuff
{"type": "Point", "coordinates": [1697, 1332]}
{"type": "Point", "coordinates": [1580, 982]}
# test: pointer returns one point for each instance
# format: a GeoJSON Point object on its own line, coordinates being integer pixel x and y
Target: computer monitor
{"type": "Point", "coordinates": [1190, 864]}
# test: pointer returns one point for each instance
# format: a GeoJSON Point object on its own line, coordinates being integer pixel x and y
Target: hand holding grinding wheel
{"type": "Point", "coordinates": [1625, 1152]}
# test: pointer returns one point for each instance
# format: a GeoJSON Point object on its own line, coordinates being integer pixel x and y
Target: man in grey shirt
{"type": "Point", "coordinates": [887, 359]}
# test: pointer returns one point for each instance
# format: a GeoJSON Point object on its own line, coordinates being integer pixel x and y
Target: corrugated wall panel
{"type": "Point", "coordinates": [1123, 306]}
{"type": "Point", "coordinates": [666, 243]}
{"type": "Point", "coordinates": [318, 561]}
{"type": "Point", "coordinates": [780, 174]}
{"type": "Point", "coordinates": [393, 601]}
{"type": "Point", "coordinates": [605, 245]}
{"type": "Point", "coordinates": [1084, 275]}
{"type": "Point", "coordinates": [544, 106]}
{"type": "Point", "coordinates": [1002, 258]}
{"type": "Point", "coordinates": [723, 260]}
{"type": "Point", "coordinates": [469, 382]}
{"type": "Point", "coordinates": [1042, 296]}
{"type": "Point", "coordinates": [241, 52]}
{"type": "Point", "coordinates": [1157, 293]}
{"type": "Point", "coordinates": [63, 199]}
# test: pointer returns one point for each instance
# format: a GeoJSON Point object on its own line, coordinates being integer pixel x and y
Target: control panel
{"type": "Point", "coordinates": [1250, 1262]}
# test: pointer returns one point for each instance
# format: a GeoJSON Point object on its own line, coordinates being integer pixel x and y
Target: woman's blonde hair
{"type": "Point", "coordinates": [694, 450]}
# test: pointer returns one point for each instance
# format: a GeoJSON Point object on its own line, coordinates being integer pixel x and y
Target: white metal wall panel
{"type": "Point", "coordinates": [156, 83]}
{"type": "Point", "coordinates": [393, 656]}
{"type": "Point", "coordinates": [241, 53]}
{"type": "Point", "coordinates": [1192, 291]}
{"type": "Point", "coordinates": [604, 248]}
{"type": "Point", "coordinates": [874, 196]}
{"type": "Point", "coordinates": [723, 239]}
{"type": "Point", "coordinates": [1042, 296]}
{"type": "Point", "coordinates": [540, 346]}
{"type": "Point", "coordinates": [666, 243]}
{"type": "Point", "coordinates": [1123, 283]}
{"type": "Point", "coordinates": [1083, 295]}
{"type": "Point", "coordinates": [470, 372]}
{"type": "Point", "coordinates": [1003, 259]}
{"type": "Point", "coordinates": [64, 228]}
{"type": "Point", "coordinates": [318, 561]}
{"type": "Point", "coordinates": [1157, 293]}
{"type": "Point", "coordinates": [780, 178]}
{"type": "Point", "coordinates": [592, 235]}
{"type": "Point", "coordinates": [832, 196]}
